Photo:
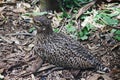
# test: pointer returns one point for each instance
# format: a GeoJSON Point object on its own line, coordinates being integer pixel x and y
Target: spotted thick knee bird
{"type": "Point", "coordinates": [62, 50]}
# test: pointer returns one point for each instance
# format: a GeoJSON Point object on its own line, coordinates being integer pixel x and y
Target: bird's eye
{"type": "Point", "coordinates": [38, 24]}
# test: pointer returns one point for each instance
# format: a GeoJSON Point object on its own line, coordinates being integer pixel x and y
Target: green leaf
{"type": "Point", "coordinates": [113, 30]}
{"type": "Point", "coordinates": [31, 29]}
{"type": "Point", "coordinates": [56, 30]}
{"type": "Point", "coordinates": [75, 11]}
{"type": "Point", "coordinates": [80, 34]}
{"type": "Point", "coordinates": [117, 32]}
{"type": "Point", "coordinates": [85, 31]}
{"type": "Point", "coordinates": [117, 37]}
{"type": "Point", "coordinates": [105, 18]}
{"type": "Point", "coordinates": [83, 34]}
{"type": "Point", "coordinates": [84, 37]}
{"type": "Point", "coordinates": [35, 14]}
{"type": "Point", "coordinates": [70, 28]}
{"type": "Point", "coordinates": [110, 21]}
{"type": "Point", "coordinates": [89, 26]}
{"type": "Point", "coordinates": [65, 14]}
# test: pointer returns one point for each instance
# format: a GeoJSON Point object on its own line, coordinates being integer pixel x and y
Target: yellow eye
{"type": "Point", "coordinates": [38, 24]}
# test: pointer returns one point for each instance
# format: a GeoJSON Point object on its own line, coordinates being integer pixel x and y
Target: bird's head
{"type": "Point", "coordinates": [43, 24]}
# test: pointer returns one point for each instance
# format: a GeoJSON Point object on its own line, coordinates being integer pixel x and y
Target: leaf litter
{"type": "Point", "coordinates": [17, 57]}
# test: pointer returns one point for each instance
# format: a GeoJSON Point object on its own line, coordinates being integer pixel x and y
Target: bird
{"type": "Point", "coordinates": [61, 50]}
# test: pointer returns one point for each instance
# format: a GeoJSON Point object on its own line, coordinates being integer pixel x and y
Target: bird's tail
{"type": "Point", "coordinates": [102, 68]}
{"type": "Point", "coordinates": [99, 66]}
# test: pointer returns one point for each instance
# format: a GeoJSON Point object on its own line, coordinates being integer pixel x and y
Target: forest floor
{"type": "Point", "coordinates": [17, 57]}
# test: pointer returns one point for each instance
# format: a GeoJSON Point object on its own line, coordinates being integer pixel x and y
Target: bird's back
{"type": "Point", "coordinates": [66, 52]}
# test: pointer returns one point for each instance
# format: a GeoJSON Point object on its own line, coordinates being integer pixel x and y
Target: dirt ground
{"type": "Point", "coordinates": [17, 57]}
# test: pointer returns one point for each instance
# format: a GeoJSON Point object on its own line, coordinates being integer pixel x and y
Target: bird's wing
{"type": "Point", "coordinates": [70, 51]}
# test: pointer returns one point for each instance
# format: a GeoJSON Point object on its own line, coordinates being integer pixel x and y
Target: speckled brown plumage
{"type": "Point", "coordinates": [61, 50]}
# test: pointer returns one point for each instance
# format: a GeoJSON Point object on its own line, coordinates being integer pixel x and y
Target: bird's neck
{"type": "Point", "coordinates": [42, 36]}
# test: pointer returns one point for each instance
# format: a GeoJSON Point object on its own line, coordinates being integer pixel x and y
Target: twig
{"type": "Point", "coordinates": [13, 60]}
{"type": "Point", "coordinates": [62, 25]}
{"type": "Point", "coordinates": [118, 27]}
{"type": "Point", "coordinates": [85, 8]}
{"type": "Point", "coordinates": [56, 68]}
{"type": "Point", "coordinates": [26, 34]}
{"type": "Point", "coordinates": [65, 20]}
{"type": "Point", "coordinates": [40, 70]}
{"type": "Point", "coordinates": [6, 39]}
{"type": "Point", "coordinates": [45, 68]}
{"type": "Point", "coordinates": [115, 46]}
{"type": "Point", "coordinates": [34, 2]}
{"type": "Point", "coordinates": [1, 4]}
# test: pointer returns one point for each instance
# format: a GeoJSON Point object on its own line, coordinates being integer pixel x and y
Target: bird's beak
{"type": "Point", "coordinates": [32, 22]}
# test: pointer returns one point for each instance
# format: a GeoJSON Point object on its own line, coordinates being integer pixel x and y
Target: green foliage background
{"type": "Point", "coordinates": [106, 17]}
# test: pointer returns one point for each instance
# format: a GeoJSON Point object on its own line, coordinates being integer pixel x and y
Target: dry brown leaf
{"type": "Point", "coordinates": [106, 77]}
{"type": "Point", "coordinates": [93, 77]}
{"type": "Point", "coordinates": [15, 40]}
{"type": "Point", "coordinates": [85, 8]}
{"type": "Point", "coordinates": [6, 39]}
{"type": "Point", "coordinates": [98, 77]}
{"type": "Point", "coordinates": [33, 77]}
{"type": "Point", "coordinates": [2, 8]}
{"type": "Point", "coordinates": [26, 5]}
{"type": "Point", "coordinates": [19, 10]}
{"type": "Point", "coordinates": [29, 47]}
{"type": "Point", "coordinates": [1, 70]}
{"type": "Point", "coordinates": [92, 47]}
{"type": "Point", "coordinates": [1, 1]}
{"type": "Point", "coordinates": [10, 1]}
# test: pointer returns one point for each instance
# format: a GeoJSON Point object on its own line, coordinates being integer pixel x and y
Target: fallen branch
{"type": "Point", "coordinates": [6, 39]}
{"type": "Point", "coordinates": [14, 34]}
{"type": "Point", "coordinates": [85, 8]}
{"type": "Point", "coordinates": [118, 27]}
